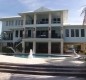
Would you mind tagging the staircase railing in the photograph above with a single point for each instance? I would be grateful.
(18, 42)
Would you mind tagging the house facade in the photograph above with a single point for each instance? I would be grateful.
(44, 31)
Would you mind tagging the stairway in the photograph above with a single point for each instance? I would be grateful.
(50, 70)
(18, 42)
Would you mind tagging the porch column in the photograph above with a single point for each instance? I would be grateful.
(24, 20)
(13, 35)
(34, 47)
(62, 25)
(23, 47)
(24, 33)
(62, 32)
(62, 47)
(49, 25)
(49, 47)
(34, 29)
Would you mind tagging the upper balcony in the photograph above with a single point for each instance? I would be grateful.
(43, 19)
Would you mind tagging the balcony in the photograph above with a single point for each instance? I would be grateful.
(29, 22)
(42, 36)
(44, 32)
(55, 35)
(7, 38)
(42, 21)
(7, 35)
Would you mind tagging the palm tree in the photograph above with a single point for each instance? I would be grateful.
(84, 12)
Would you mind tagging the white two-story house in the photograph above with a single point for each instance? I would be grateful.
(42, 30)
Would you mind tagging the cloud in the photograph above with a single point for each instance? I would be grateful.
(32, 4)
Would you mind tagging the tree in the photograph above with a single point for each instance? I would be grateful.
(84, 12)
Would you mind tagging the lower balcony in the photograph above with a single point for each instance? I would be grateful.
(7, 38)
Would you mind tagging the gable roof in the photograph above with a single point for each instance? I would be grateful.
(42, 9)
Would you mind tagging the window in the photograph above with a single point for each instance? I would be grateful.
(67, 32)
(77, 32)
(44, 21)
(21, 22)
(16, 22)
(82, 33)
(10, 23)
(56, 20)
(72, 32)
(29, 33)
(16, 34)
(21, 33)
(59, 20)
(7, 23)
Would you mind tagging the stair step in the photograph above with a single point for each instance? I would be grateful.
(44, 69)
(37, 65)
(83, 74)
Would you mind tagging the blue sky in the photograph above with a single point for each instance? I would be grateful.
(13, 7)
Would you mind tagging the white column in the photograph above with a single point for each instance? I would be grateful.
(34, 30)
(62, 47)
(70, 33)
(13, 35)
(23, 47)
(24, 20)
(34, 19)
(49, 47)
(49, 25)
(61, 32)
(24, 33)
(62, 25)
(34, 47)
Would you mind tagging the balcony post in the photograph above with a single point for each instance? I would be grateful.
(49, 47)
(61, 46)
(34, 28)
(34, 19)
(13, 38)
(24, 20)
(49, 25)
(61, 32)
(23, 47)
(34, 47)
(24, 33)
(61, 24)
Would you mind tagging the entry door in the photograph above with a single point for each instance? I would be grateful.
(29, 33)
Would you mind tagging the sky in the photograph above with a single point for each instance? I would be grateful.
(13, 7)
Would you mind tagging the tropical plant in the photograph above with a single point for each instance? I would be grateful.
(84, 13)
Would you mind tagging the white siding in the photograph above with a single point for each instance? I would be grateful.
(74, 39)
